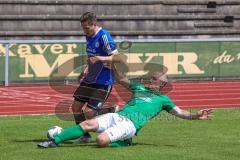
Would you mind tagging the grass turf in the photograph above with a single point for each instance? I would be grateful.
(165, 137)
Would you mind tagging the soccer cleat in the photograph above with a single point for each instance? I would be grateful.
(122, 143)
(128, 141)
(84, 139)
(47, 144)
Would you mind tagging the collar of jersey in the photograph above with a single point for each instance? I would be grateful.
(96, 32)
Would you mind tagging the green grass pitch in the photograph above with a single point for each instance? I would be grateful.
(164, 138)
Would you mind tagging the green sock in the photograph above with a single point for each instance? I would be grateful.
(69, 133)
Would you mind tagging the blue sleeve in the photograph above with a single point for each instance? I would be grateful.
(108, 43)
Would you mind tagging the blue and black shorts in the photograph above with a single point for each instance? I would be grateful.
(93, 94)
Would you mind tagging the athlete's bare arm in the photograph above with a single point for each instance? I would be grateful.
(205, 114)
(114, 57)
(120, 77)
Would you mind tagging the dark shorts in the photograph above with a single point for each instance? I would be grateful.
(95, 95)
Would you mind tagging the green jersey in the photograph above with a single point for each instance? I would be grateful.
(144, 105)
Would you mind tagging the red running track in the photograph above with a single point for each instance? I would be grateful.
(15, 100)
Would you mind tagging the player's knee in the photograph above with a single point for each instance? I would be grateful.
(89, 113)
(102, 141)
(76, 106)
(89, 125)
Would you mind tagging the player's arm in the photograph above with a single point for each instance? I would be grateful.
(110, 48)
(204, 114)
(83, 74)
(120, 77)
(114, 57)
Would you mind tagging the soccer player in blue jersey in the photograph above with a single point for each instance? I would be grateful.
(96, 80)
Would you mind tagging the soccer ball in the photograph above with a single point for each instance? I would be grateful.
(53, 131)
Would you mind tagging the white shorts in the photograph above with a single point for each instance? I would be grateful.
(116, 126)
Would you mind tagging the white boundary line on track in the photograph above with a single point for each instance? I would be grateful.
(207, 90)
(42, 105)
(217, 94)
(215, 99)
(205, 82)
(191, 106)
(27, 101)
(220, 86)
(215, 106)
(198, 95)
(35, 93)
(185, 107)
(177, 89)
(213, 83)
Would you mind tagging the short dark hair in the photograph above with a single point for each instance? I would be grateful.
(89, 17)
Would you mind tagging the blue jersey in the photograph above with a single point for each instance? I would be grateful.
(101, 44)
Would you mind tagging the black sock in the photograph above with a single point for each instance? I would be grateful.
(87, 134)
(106, 110)
(79, 117)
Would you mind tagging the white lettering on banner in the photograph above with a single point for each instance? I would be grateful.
(224, 58)
(41, 48)
(135, 57)
(70, 48)
(238, 56)
(33, 54)
(56, 48)
(2, 50)
(170, 60)
(24, 49)
(41, 68)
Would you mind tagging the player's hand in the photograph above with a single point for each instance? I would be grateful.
(94, 59)
(80, 78)
(107, 65)
(205, 114)
(82, 75)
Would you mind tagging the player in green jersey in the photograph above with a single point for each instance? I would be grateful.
(115, 128)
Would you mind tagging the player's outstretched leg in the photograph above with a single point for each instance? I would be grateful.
(87, 137)
(71, 133)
